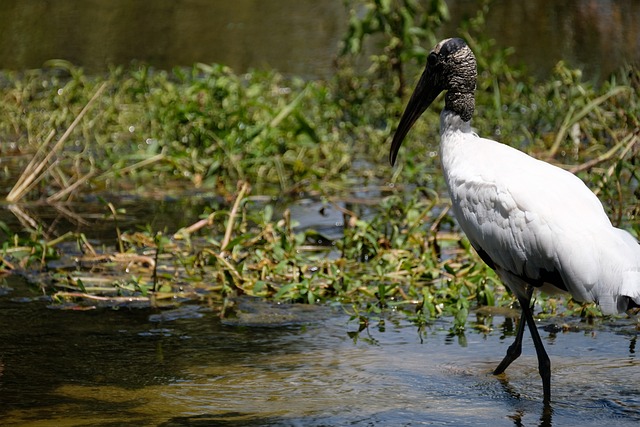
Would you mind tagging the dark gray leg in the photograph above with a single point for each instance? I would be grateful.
(544, 364)
(514, 350)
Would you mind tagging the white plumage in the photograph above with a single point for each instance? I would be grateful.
(538, 226)
(530, 217)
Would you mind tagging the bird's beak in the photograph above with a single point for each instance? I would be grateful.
(424, 94)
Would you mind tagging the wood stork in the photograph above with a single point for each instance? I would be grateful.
(538, 226)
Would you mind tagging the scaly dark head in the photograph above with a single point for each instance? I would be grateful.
(450, 66)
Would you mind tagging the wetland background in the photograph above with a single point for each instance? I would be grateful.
(206, 186)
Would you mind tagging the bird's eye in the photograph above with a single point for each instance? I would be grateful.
(432, 59)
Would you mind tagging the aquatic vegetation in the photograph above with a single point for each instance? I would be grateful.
(66, 136)
(405, 27)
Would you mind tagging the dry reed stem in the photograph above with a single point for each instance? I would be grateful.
(570, 119)
(186, 231)
(130, 168)
(232, 216)
(612, 168)
(24, 218)
(127, 299)
(628, 142)
(35, 171)
(66, 191)
(28, 177)
(237, 278)
(114, 212)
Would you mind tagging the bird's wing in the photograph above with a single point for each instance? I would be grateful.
(531, 219)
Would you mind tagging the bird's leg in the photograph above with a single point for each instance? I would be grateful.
(514, 350)
(544, 364)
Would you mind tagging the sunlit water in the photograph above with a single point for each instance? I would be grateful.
(126, 368)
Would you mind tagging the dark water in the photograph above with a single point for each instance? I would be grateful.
(121, 368)
(92, 217)
(295, 36)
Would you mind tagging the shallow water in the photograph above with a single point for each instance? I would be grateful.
(89, 216)
(124, 367)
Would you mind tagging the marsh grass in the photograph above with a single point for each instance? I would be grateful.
(207, 129)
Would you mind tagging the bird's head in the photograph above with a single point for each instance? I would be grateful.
(451, 66)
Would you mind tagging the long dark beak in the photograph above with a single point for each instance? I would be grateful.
(424, 94)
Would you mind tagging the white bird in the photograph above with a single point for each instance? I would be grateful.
(538, 226)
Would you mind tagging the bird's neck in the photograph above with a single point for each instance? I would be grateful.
(451, 122)
(461, 103)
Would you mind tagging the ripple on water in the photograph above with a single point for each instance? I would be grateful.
(308, 374)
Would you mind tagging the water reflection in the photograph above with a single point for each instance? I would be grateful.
(296, 36)
(117, 367)
(597, 36)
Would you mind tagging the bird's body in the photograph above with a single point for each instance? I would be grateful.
(538, 226)
(536, 223)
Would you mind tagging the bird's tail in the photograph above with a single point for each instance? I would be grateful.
(631, 281)
(621, 290)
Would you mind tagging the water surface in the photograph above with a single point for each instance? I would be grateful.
(298, 37)
(124, 367)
